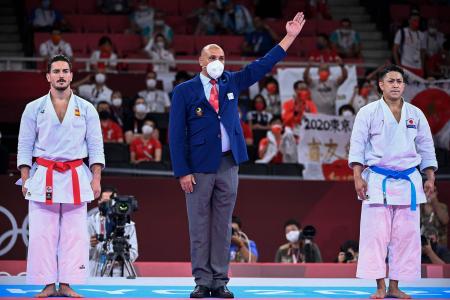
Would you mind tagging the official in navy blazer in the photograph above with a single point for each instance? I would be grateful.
(206, 146)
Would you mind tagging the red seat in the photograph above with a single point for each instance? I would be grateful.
(75, 22)
(232, 44)
(429, 11)
(327, 26)
(87, 6)
(443, 13)
(187, 6)
(118, 24)
(309, 29)
(65, 6)
(139, 66)
(77, 41)
(399, 12)
(203, 40)
(95, 23)
(183, 44)
(188, 67)
(278, 26)
(308, 45)
(91, 40)
(298, 47)
(177, 23)
(170, 7)
(126, 43)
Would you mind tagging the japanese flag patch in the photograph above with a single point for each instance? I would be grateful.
(410, 123)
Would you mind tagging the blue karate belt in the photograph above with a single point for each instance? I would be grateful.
(397, 175)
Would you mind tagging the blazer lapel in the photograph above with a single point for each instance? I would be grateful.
(223, 102)
(200, 92)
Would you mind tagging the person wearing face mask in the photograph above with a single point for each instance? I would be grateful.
(145, 147)
(236, 19)
(293, 109)
(324, 89)
(362, 96)
(434, 214)
(277, 147)
(118, 108)
(271, 93)
(157, 100)
(104, 57)
(409, 47)
(258, 117)
(44, 17)
(55, 45)
(207, 18)
(434, 41)
(95, 92)
(346, 41)
(111, 131)
(134, 121)
(157, 49)
(142, 20)
(323, 52)
(293, 252)
(206, 147)
(260, 40)
(432, 251)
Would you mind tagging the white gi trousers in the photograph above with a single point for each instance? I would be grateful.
(391, 231)
(58, 243)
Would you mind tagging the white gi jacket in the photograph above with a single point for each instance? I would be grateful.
(42, 135)
(378, 140)
(95, 253)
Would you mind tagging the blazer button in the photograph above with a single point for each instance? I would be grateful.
(219, 136)
(218, 117)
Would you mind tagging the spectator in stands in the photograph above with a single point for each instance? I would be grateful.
(236, 18)
(119, 7)
(362, 96)
(409, 47)
(117, 108)
(294, 250)
(142, 20)
(260, 40)
(346, 41)
(134, 121)
(55, 45)
(104, 58)
(157, 100)
(161, 27)
(346, 110)
(242, 249)
(45, 18)
(258, 117)
(323, 53)
(434, 214)
(324, 89)
(277, 147)
(157, 49)
(434, 41)
(348, 253)
(145, 147)
(111, 131)
(433, 252)
(271, 93)
(100, 225)
(248, 134)
(95, 92)
(208, 19)
(293, 109)
(180, 77)
(318, 9)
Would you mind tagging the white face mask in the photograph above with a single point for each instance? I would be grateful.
(215, 69)
(141, 108)
(117, 102)
(100, 78)
(160, 45)
(347, 113)
(151, 83)
(432, 30)
(147, 129)
(292, 236)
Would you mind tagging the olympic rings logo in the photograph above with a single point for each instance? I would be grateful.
(13, 232)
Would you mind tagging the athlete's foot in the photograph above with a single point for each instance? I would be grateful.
(397, 293)
(379, 294)
(66, 291)
(48, 291)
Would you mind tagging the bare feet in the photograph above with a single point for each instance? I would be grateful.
(66, 291)
(397, 293)
(379, 294)
(48, 291)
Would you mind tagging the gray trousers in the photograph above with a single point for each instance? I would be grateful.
(210, 207)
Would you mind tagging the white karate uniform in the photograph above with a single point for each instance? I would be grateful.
(58, 247)
(388, 222)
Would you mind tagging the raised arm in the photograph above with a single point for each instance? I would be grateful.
(293, 28)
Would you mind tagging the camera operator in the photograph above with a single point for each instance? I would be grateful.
(348, 253)
(300, 247)
(100, 227)
(432, 251)
(241, 249)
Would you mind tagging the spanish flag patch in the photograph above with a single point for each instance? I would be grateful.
(77, 112)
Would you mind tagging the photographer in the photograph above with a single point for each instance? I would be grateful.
(240, 244)
(100, 228)
(348, 253)
(432, 252)
(300, 247)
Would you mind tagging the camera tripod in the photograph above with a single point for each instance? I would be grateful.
(120, 254)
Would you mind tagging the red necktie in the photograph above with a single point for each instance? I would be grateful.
(214, 96)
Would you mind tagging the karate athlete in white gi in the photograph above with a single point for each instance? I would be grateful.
(59, 130)
(390, 139)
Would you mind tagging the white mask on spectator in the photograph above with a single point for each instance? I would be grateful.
(117, 102)
(141, 108)
(215, 69)
(100, 78)
(432, 30)
(160, 45)
(292, 236)
(147, 129)
(151, 83)
(347, 113)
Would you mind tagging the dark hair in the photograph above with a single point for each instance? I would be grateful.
(275, 120)
(135, 99)
(294, 86)
(103, 40)
(346, 107)
(346, 20)
(259, 96)
(58, 57)
(151, 120)
(270, 79)
(291, 222)
(390, 68)
(350, 244)
(237, 220)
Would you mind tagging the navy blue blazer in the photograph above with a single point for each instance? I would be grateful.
(194, 126)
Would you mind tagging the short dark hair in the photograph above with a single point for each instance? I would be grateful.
(263, 99)
(350, 244)
(291, 222)
(346, 107)
(104, 40)
(237, 220)
(390, 68)
(346, 20)
(275, 119)
(58, 57)
(294, 86)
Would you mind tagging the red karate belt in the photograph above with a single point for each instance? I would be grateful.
(60, 167)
